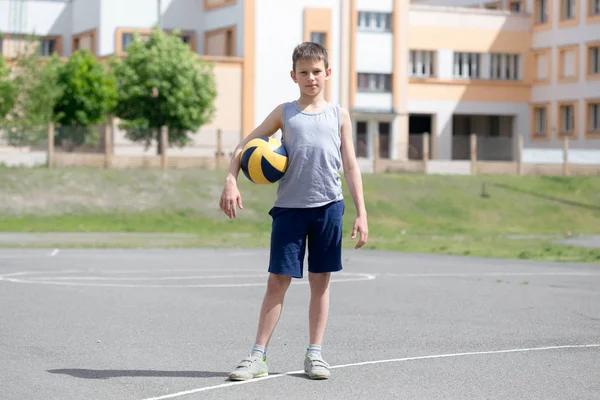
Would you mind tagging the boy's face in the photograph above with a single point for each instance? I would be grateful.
(310, 75)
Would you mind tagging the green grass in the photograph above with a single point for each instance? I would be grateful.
(413, 213)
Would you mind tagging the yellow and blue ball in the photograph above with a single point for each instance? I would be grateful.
(264, 160)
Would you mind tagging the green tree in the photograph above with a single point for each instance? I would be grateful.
(36, 92)
(161, 82)
(88, 94)
(7, 92)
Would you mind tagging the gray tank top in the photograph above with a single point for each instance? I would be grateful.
(312, 141)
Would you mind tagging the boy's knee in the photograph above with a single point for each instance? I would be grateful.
(319, 280)
(278, 283)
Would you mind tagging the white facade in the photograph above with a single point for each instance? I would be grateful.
(275, 40)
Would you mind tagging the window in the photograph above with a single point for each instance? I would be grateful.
(505, 66)
(420, 63)
(568, 9)
(543, 65)
(318, 37)
(593, 55)
(515, 6)
(539, 121)
(541, 12)
(1, 46)
(384, 139)
(594, 8)
(47, 47)
(378, 83)
(493, 6)
(568, 63)
(220, 42)
(361, 139)
(374, 21)
(467, 65)
(566, 119)
(593, 117)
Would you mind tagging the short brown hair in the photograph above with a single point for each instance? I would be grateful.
(309, 51)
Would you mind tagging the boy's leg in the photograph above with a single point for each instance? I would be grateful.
(324, 257)
(288, 243)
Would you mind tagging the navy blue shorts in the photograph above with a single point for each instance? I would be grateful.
(292, 228)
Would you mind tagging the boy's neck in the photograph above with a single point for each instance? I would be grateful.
(312, 101)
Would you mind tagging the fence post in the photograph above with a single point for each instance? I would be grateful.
(108, 142)
(426, 152)
(376, 155)
(51, 145)
(566, 156)
(164, 141)
(219, 153)
(473, 153)
(519, 155)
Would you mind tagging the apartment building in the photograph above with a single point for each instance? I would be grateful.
(445, 67)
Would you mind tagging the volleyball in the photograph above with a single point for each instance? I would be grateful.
(264, 160)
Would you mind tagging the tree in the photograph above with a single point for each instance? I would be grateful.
(36, 92)
(7, 92)
(88, 94)
(162, 83)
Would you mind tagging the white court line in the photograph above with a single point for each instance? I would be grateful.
(54, 252)
(18, 277)
(224, 385)
(476, 274)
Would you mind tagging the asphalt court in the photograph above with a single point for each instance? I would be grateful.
(171, 324)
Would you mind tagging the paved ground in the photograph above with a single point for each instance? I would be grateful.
(154, 324)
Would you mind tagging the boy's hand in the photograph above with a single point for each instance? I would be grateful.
(230, 198)
(360, 226)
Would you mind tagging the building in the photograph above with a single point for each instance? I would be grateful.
(451, 68)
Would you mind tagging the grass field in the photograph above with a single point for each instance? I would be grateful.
(467, 215)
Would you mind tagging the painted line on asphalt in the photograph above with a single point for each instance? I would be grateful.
(393, 360)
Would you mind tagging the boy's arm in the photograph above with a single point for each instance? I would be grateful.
(354, 179)
(230, 197)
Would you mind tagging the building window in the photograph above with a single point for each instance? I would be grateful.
(515, 6)
(568, 64)
(47, 47)
(593, 59)
(566, 119)
(376, 83)
(593, 117)
(567, 9)
(540, 121)
(361, 139)
(374, 21)
(467, 65)
(384, 139)
(594, 10)
(318, 37)
(220, 42)
(493, 6)
(421, 63)
(505, 66)
(541, 12)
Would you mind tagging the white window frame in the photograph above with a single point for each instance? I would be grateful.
(594, 60)
(375, 82)
(541, 114)
(594, 118)
(541, 8)
(47, 47)
(505, 66)
(467, 65)
(594, 7)
(372, 21)
(421, 63)
(567, 119)
(569, 10)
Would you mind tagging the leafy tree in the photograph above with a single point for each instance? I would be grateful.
(36, 93)
(162, 83)
(88, 93)
(7, 92)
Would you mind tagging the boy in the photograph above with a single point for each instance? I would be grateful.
(317, 136)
